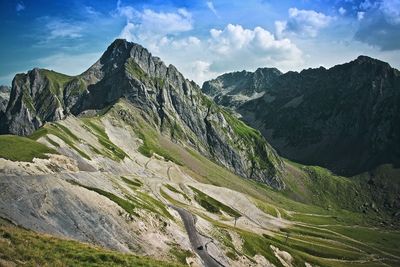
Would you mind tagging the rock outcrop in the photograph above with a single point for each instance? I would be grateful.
(236, 88)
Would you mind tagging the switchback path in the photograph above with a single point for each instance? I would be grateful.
(194, 238)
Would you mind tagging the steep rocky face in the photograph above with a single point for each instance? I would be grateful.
(4, 97)
(345, 118)
(178, 108)
(168, 101)
(236, 88)
(40, 96)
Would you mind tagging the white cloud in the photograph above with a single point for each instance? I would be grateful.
(200, 71)
(125, 11)
(303, 22)
(154, 29)
(342, 11)
(151, 23)
(360, 15)
(165, 23)
(280, 27)
(183, 42)
(235, 48)
(20, 6)
(391, 10)
(210, 6)
(91, 11)
(168, 35)
(380, 24)
(62, 29)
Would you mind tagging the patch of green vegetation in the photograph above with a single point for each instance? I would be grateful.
(22, 247)
(173, 189)
(318, 248)
(205, 100)
(252, 138)
(265, 207)
(241, 128)
(52, 142)
(67, 131)
(140, 200)
(28, 101)
(176, 131)
(56, 83)
(26, 96)
(111, 150)
(254, 244)
(387, 240)
(17, 148)
(159, 82)
(225, 238)
(77, 86)
(128, 206)
(212, 205)
(170, 199)
(154, 205)
(134, 184)
(61, 132)
(135, 70)
(180, 254)
(151, 145)
(95, 150)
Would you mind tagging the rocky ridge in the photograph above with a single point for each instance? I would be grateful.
(345, 118)
(236, 88)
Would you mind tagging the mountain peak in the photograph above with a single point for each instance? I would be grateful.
(362, 59)
(4, 88)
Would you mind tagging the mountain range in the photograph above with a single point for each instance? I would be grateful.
(132, 164)
(345, 118)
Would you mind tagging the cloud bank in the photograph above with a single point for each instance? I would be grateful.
(233, 47)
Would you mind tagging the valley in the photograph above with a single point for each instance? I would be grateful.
(242, 222)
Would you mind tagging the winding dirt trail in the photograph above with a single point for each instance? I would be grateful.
(195, 239)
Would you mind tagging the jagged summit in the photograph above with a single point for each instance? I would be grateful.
(235, 88)
(367, 59)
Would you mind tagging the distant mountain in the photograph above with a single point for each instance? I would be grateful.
(236, 88)
(174, 105)
(346, 118)
(4, 96)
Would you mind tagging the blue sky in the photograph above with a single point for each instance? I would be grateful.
(201, 38)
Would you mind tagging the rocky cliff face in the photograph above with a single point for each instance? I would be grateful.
(345, 118)
(40, 96)
(171, 103)
(236, 88)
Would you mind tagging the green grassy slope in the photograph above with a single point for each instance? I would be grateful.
(18, 148)
(26, 248)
